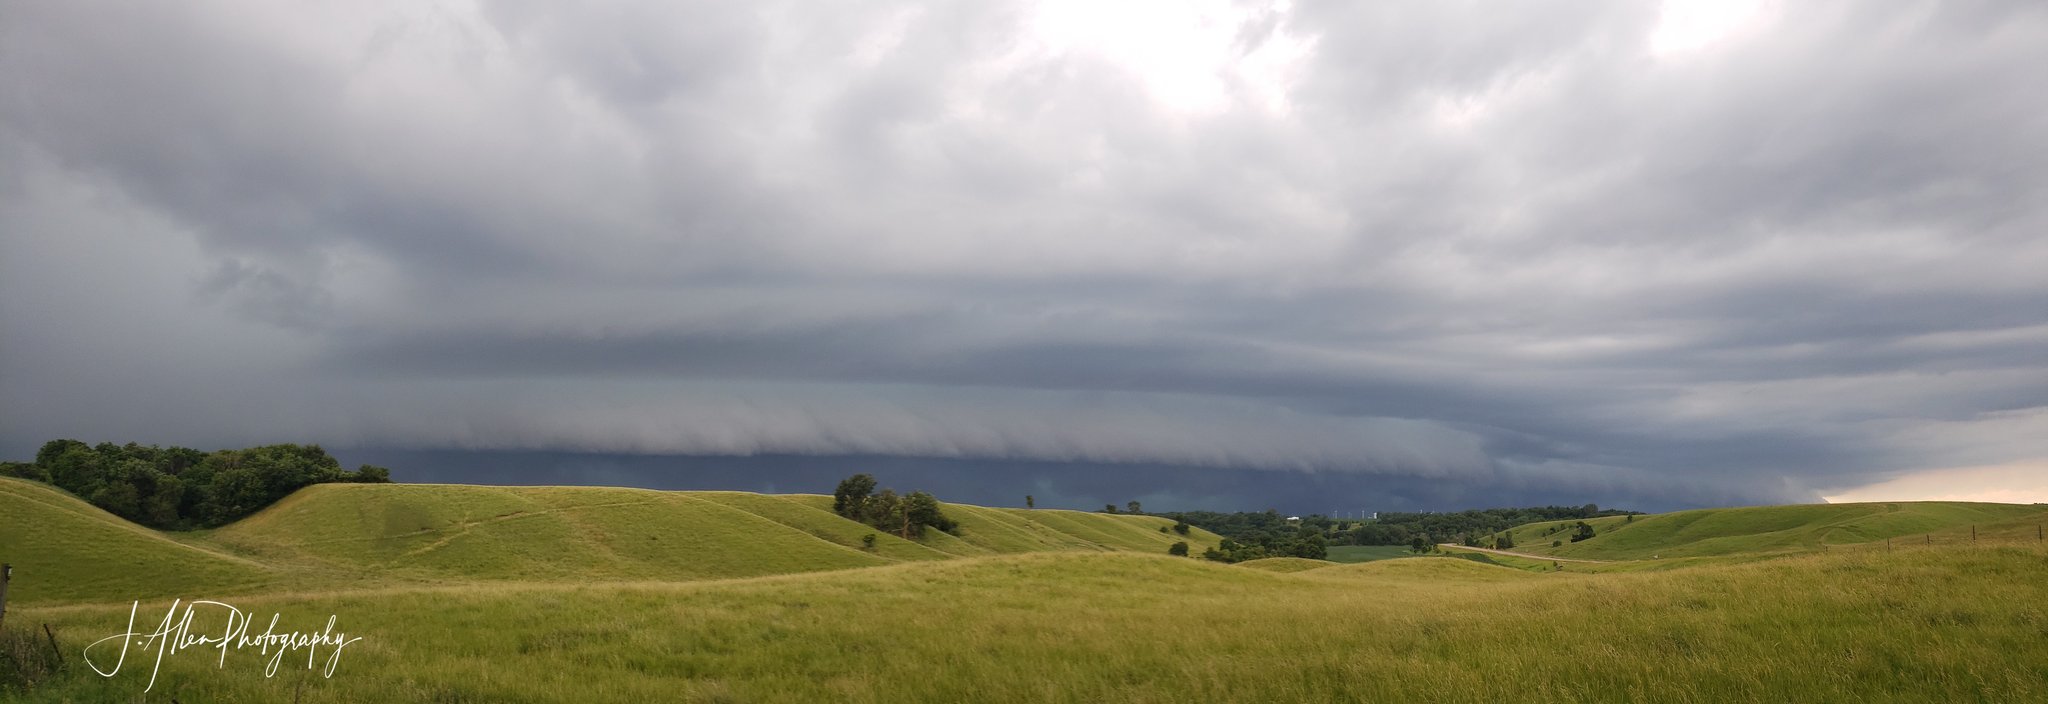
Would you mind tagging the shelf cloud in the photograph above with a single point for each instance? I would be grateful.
(1697, 252)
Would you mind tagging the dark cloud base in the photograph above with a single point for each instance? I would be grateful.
(1072, 485)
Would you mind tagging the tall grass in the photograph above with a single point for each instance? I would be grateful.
(1930, 625)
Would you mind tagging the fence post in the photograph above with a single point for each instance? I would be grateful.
(6, 573)
(54, 649)
(1973, 534)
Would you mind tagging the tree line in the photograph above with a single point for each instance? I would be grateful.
(1252, 535)
(1400, 528)
(180, 488)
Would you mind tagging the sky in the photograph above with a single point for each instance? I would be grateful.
(1313, 256)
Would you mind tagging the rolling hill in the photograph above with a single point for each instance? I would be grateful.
(367, 535)
(62, 547)
(1772, 529)
(1122, 626)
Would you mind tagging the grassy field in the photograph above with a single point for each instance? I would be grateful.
(1367, 553)
(1928, 625)
(468, 594)
(1776, 529)
(361, 536)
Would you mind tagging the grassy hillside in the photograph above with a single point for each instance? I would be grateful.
(1367, 553)
(1285, 564)
(62, 547)
(1770, 529)
(1930, 625)
(332, 536)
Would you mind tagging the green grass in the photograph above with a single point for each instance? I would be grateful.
(335, 536)
(1933, 626)
(538, 594)
(1768, 529)
(73, 549)
(1367, 553)
(1285, 564)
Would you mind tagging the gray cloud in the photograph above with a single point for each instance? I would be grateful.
(1494, 246)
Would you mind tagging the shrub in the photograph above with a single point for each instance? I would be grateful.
(1585, 532)
(1179, 549)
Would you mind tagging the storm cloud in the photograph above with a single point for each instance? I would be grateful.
(1680, 254)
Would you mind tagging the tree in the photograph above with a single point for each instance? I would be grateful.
(1585, 532)
(920, 510)
(1133, 507)
(1504, 541)
(867, 542)
(851, 498)
(120, 499)
(1418, 545)
(1180, 527)
(1312, 546)
(1109, 508)
(1030, 502)
(1179, 549)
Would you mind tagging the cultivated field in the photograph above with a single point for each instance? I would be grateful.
(473, 594)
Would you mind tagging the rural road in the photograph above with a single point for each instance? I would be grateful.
(1521, 554)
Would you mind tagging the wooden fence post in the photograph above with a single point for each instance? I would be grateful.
(6, 573)
(1973, 534)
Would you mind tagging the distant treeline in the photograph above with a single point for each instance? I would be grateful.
(1269, 534)
(178, 488)
(1250, 536)
(1402, 528)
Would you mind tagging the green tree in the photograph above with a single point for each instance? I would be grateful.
(885, 511)
(118, 498)
(850, 499)
(921, 510)
(1418, 545)
(1180, 527)
(1109, 508)
(1030, 502)
(1133, 507)
(1179, 549)
(867, 542)
(1584, 532)
(1312, 546)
